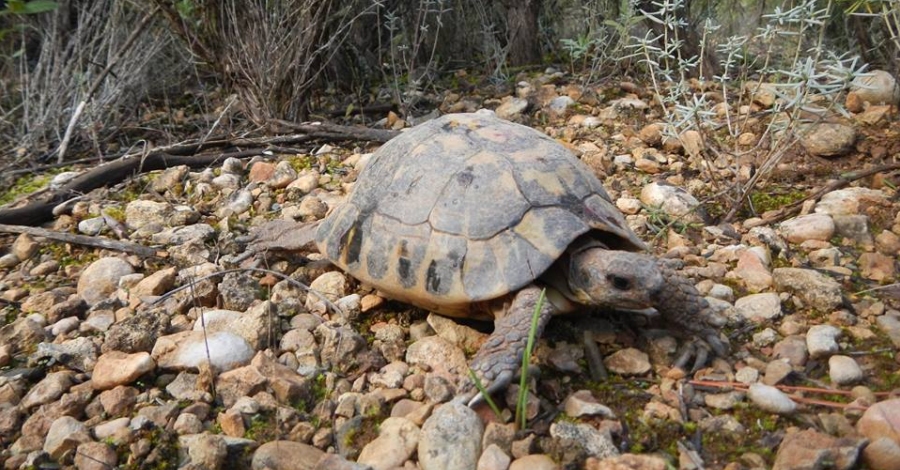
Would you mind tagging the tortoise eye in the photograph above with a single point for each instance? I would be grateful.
(619, 282)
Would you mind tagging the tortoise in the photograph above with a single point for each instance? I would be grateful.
(471, 216)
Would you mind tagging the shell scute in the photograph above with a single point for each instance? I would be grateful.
(465, 209)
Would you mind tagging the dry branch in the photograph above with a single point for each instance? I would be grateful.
(839, 183)
(99, 81)
(97, 242)
(113, 172)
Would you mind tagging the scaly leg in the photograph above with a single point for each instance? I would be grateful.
(500, 358)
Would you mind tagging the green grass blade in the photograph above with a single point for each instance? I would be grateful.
(521, 417)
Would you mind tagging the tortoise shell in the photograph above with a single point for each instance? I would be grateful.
(465, 209)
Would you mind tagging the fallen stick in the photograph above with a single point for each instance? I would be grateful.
(96, 242)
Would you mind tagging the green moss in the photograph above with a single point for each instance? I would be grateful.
(67, 255)
(115, 212)
(767, 199)
(262, 428)
(301, 162)
(24, 186)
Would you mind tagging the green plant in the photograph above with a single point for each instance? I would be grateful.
(21, 7)
(795, 69)
(412, 51)
(522, 400)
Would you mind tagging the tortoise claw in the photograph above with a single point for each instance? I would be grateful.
(467, 392)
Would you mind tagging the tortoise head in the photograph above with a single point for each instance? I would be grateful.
(615, 279)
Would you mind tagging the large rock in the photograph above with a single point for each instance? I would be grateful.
(188, 349)
(881, 425)
(397, 440)
(812, 287)
(759, 307)
(812, 449)
(851, 201)
(286, 455)
(101, 279)
(877, 87)
(136, 333)
(807, 227)
(451, 439)
(828, 139)
(65, 434)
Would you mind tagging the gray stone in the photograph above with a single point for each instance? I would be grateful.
(759, 307)
(332, 285)
(512, 108)
(583, 403)
(821, 340)
(596, 443)
(65, 434)
(207, 451)
(843, 370)
(397, 439)
(79, 353)
(182, 235)
(674, 201)
(876, 87)
(889, 323)
(339, 345)
(812, 287)
(101, 278)
(189, 349)
(450, 439)
(770, 399)
(136, 333)
(807, 227)
(53, 386)
(828, 139)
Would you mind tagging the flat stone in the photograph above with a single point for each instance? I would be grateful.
(49, 389)
(807, 227)
(595, 442)
(286, 455)
(812, 449)
(188, 349)
(95, 456)
(628, 361)
(438, 355)
(583, 403)
(889, 323)
(117, 368)
(812, 287)
(759, 307)
(534, 462)
(493, 458)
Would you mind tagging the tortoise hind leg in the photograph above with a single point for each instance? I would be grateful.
(500, 358)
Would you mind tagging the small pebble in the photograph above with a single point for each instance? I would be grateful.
(771, 399)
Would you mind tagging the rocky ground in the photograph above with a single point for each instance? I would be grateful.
(189, 360)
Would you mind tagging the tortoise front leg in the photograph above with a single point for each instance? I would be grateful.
(500, 358)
